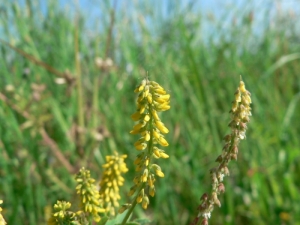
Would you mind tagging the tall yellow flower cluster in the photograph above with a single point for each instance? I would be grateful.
(240, 117)
(89, 195)
(2, 221)
(152, 99)
(111, 181)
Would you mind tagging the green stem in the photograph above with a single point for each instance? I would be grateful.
(79, 90)
(133, 204)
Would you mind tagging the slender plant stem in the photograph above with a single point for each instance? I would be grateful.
(80, 100)
(133, 204)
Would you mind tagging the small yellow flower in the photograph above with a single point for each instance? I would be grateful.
(161, 127)
(136, 116)
(163, 142)
(145, 202)
(140, 196)
(152, 191)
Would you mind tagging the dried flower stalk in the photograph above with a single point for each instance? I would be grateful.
(240, 113)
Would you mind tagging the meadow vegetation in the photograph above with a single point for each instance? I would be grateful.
(66, 98)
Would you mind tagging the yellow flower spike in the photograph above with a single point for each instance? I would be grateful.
(152, 98)
(61, 214)
(88, 192)
(111, 180)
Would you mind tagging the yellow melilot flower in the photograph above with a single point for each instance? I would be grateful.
(152, 99)
(89, 195)
(61, 214)
(111, 181)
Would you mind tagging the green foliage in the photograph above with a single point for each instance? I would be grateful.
(39, 145)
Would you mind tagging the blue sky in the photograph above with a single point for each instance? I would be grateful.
(93, 9)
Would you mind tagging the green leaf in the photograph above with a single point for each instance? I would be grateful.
(143, 221)
(103, 220)
(117, 220)
(130, 223)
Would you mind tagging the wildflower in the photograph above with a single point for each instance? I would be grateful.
(240, 113)
(61, 214)
(152, 99)
(111, 181)
(89, 195)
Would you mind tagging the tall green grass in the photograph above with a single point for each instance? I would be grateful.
(200, 70)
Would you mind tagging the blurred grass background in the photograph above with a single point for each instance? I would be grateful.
(52, 122)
